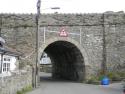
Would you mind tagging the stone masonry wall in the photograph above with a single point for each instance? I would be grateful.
(16, 82)
(115, 41)
(19, 32)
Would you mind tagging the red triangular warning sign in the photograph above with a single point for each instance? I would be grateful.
(63, 33)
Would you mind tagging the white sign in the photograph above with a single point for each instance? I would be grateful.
(63, 33)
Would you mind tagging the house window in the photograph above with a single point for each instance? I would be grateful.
(6, 59)
(6, 67)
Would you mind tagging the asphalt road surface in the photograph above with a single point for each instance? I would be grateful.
(48, 86)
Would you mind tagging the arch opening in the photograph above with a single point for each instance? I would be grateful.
(67, 61)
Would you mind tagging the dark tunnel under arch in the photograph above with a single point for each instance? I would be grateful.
(67, 61)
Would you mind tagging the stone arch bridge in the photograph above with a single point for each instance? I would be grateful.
(92, 41)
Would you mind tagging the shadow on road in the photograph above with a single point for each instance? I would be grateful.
(47, 77)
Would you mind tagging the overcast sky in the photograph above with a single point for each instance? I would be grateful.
(67, 6)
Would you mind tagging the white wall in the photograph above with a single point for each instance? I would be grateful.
(13, 63)
(45, 60)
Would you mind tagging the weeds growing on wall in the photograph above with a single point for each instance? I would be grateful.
(24, 90)
(113, 76)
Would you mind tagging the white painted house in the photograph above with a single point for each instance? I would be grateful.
(8, 59)
(45, 59)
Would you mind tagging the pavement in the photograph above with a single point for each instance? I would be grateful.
(49, 86)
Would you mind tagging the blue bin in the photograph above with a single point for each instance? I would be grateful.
(105, 81)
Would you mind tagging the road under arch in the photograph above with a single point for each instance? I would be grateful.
(67, 61)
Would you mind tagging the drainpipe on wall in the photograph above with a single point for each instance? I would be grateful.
(103, 65)
(1, 53)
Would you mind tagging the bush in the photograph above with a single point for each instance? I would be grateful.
(121, 74)
(116, 76)
(19, 92)
(93, 80)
